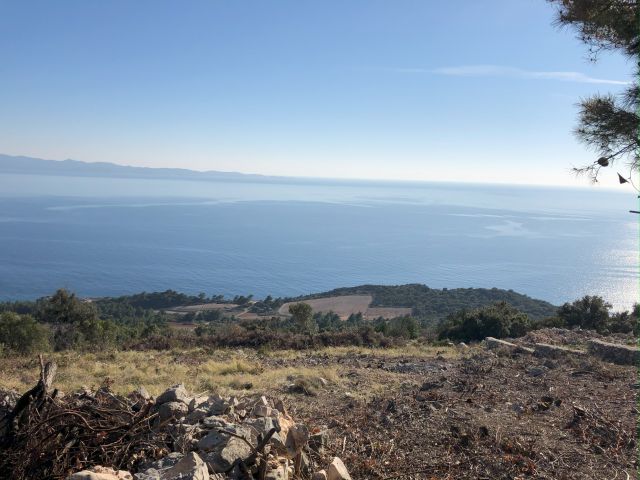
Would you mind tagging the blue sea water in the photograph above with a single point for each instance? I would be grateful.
(108, 236)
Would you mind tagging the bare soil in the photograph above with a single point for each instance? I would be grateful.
(485, 416)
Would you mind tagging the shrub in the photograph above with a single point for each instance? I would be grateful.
(64, 307)
(22, 334)
(589, 312)
(498, 320)
(302, 315)
(402, 327)
(626, 322)
(551, 322)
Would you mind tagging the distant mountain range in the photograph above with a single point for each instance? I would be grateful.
(75, 168)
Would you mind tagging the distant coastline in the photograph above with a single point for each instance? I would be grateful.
(38, 166)
(25, 165)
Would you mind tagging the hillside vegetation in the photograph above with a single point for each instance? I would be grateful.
(438, 304)
(64, 321)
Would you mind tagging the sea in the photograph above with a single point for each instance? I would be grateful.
(116, 236)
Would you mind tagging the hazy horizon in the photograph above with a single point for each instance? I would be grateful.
(580, 182)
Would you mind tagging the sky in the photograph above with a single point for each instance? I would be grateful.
(456, 90)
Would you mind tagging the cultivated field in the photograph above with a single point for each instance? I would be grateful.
(204, 307)
(346, 305)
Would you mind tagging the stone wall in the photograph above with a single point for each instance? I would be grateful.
(611, 352)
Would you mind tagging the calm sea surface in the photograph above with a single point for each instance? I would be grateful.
(104, 236)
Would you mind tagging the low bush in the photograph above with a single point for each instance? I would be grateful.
(594, 313)
(22, 334)
(498, 320)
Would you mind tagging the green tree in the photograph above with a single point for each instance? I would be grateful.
(589, 312)
(405, 327)
(302, 314)
(64, 307)
(22, 334)
(608, 123)
(355, 320)
(626, 322)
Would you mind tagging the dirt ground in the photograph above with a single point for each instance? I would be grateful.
(411, 413)
(481, 417)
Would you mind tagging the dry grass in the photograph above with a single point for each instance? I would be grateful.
(225, 371)
(414, 350)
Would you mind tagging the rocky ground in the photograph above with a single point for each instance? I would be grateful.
(466, 412)
(490, 415)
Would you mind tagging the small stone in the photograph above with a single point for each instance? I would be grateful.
(278, 473)
(177, 393)
(165, 462)
(279, 405)
(172, 410)
(191, 467)
(211, 441)
(197, 402)
(305, 465)
(262, 411)
(196, 415)
(224, 454)
(321, 475)
(337, 470)
(262, 426)
(139, 398)
(101, 473)
(319, 440)
(149, 474)
(143, 392)
(536, 371)
(297, 438)
(219, 406)
(214, 421)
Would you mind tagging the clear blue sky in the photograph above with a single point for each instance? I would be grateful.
(404, 89)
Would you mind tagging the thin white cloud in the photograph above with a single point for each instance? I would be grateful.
(512, 72)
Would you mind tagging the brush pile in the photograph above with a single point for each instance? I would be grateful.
(103, 436)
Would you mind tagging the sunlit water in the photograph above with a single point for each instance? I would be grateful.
(102, 236)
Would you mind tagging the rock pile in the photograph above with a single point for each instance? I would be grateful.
(216, 437)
